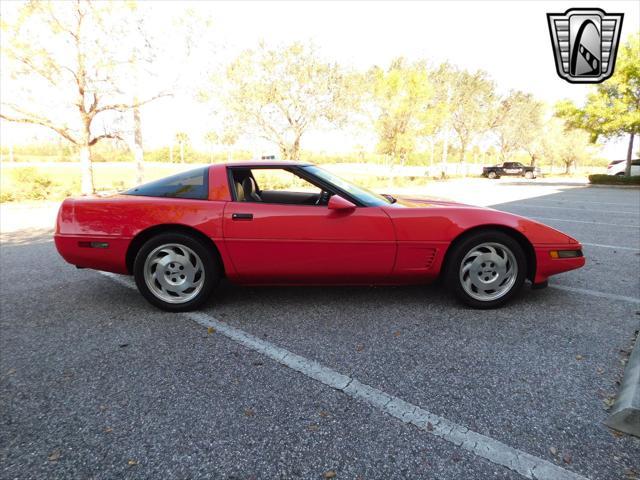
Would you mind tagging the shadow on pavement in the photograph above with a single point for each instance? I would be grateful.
(29, 236)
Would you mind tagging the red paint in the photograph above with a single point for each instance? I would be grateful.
(404, 242)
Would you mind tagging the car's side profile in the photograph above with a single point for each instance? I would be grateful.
(618, 167)
(290, 223)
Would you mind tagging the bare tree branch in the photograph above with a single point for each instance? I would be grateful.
(95, 140)
(123, 107)
(45, 123)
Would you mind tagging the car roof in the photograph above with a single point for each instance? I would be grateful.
(266, 163)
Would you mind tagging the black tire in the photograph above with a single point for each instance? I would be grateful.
(493, 175)
(460, 249)
(529, 175)
(620, 174)
(209, 262)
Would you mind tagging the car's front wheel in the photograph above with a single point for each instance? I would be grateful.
(528, 175)
(492, 175)
(486, 269)
(176, 272)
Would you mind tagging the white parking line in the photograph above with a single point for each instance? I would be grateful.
(483, 446)
(584, 201)
(615, 247)
(585, 210)
(588, 223)
(596, 293)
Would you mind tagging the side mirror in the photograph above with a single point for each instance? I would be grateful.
(336, 202)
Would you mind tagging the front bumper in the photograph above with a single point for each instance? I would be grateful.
(549, 260)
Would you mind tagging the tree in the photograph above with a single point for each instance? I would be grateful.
(281, 93)
(183, 139)
(227, 137)
(518, 124)
(612, 108)
(399, 95)
(211, 139)
(435, 113)
(472, 101)
(573, 148)
(64, 71)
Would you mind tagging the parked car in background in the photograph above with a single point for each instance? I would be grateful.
(617, 167)
(510, 168)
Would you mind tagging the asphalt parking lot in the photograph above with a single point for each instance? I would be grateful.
(95, 383)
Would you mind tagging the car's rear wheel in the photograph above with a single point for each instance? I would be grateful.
(492, 175)
(486, 269)
(176, 271)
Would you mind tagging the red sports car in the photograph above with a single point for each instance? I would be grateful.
(293, 223)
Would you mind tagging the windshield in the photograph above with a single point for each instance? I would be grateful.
(366, 197)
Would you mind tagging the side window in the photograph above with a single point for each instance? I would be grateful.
(279, 180)
(193, 184)
(274, 185)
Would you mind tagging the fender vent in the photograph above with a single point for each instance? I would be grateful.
(430, 257)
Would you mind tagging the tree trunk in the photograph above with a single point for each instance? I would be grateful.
(138, 152)
(627, 170)
(86, 170)
(445, 153)
(433, 152)
(295, 149)
(463, 150)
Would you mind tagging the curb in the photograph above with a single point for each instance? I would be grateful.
(612, 186)
(625, 414)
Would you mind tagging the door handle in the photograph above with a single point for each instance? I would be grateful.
(242, 216)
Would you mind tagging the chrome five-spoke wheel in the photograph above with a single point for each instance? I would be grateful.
(488, 271)
(174, 273)
(486, 268)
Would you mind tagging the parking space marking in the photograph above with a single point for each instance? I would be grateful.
(596, 293)
(584, 221)
(585, 201)
(615, 247)
(525, 464)
(585, 210)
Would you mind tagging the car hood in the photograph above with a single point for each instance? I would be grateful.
(442, 220)
(407, 202)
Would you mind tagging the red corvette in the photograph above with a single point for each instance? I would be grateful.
(295, 223)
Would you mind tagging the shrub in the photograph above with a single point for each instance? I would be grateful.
(28, 184)
(600, 179)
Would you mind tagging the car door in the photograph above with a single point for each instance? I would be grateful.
(288, 243)
(511, 168)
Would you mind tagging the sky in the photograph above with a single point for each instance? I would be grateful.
(508, 39)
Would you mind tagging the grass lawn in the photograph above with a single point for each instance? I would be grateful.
(22, 181)
(58, 180)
